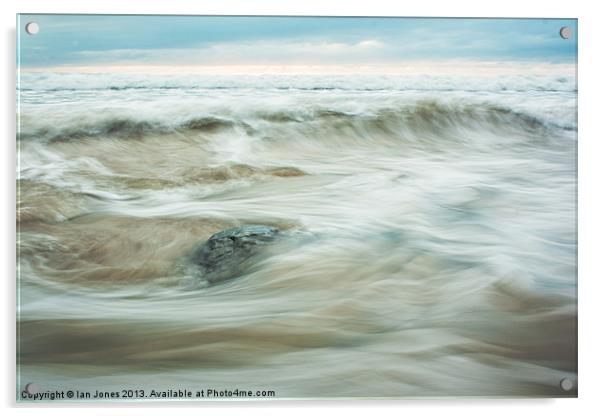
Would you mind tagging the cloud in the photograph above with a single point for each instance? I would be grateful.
(190, 40)
(256, 52)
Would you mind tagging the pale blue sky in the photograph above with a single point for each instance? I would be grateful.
(88, 40)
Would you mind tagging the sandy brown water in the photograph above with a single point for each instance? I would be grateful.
(432, 254)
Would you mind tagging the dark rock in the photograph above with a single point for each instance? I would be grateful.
(225, 254)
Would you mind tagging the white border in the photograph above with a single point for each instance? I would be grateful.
(590, 28)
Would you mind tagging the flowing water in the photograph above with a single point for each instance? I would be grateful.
(433, 222)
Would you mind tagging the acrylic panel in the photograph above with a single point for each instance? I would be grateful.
(248, 207)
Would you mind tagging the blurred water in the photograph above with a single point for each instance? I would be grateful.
(434, 248)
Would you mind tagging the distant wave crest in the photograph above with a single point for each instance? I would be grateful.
(421, 117)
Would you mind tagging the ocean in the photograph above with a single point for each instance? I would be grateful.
(433, 224)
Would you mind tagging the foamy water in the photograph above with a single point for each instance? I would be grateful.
(433, 222)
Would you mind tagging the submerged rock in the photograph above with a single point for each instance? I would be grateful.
(225, 254)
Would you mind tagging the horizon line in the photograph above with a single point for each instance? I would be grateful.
(440, 66)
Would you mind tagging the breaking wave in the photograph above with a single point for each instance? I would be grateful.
(423, 117)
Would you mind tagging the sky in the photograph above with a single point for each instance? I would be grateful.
(104, 40)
